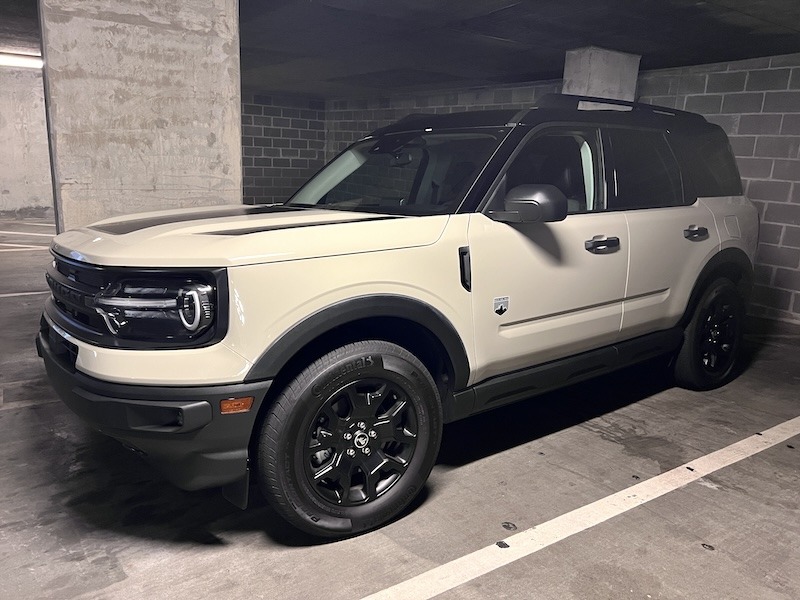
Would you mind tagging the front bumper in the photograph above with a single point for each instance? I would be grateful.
(179, 429)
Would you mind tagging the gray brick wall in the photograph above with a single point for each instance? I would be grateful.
(283, 144)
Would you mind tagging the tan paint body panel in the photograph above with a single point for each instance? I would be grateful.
(415, 257)
(563, 299)
(216, 242)
(742, 212)
(217, 364)
(664, 265)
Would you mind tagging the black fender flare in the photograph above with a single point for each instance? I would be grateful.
(719, 265)
(279, 353)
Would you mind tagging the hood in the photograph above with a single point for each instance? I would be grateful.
(241, 235)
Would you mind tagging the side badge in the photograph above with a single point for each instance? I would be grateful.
(501, 305)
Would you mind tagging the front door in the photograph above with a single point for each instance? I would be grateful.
(543, 291)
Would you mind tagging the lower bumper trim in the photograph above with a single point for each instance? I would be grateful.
(180, 430)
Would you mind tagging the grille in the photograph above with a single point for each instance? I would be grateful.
(74, 287)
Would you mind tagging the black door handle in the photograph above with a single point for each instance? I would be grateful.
(695, 233)
(601, 244)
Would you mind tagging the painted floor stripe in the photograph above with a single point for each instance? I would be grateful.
(49, 235)
(23, 249)
(15, 294)
(461, 570)
(10, 245)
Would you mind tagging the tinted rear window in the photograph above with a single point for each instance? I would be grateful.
(646, 173)
(707, 159)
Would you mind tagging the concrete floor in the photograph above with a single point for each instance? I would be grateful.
(82, 518)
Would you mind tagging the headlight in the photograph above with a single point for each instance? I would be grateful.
(181, 310)
(138, 308)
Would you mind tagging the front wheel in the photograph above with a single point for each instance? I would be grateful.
(712, 340)
(351, 440)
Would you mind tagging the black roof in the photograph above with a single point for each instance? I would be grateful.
(556, 108)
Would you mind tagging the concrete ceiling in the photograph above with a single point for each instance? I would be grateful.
(367, 47)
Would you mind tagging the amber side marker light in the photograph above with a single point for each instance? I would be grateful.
(235, 405)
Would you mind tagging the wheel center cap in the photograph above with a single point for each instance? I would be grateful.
(361, 440)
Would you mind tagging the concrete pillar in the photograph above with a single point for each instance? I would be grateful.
(143, 105)
(25, 185)
(594, 71)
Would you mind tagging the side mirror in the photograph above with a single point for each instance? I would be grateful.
(532, 204)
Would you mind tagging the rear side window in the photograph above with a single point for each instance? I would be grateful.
(707, 158)
(645, 172)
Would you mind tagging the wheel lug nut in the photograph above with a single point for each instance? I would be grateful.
(351, 452)
(348, 436)
(362, 425)
(372, 433)
(366, 451)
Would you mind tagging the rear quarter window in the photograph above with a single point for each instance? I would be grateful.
(707, 160)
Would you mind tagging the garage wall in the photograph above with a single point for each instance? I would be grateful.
(25, 184)
(283, 144)
(757, 102)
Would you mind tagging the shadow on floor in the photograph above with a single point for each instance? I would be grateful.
(516, 424)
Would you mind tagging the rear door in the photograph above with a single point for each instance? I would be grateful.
(671, 234)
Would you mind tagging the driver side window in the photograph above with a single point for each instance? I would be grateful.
(566, 159)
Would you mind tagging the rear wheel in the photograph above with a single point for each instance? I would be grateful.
(712, 341)
(350, 442)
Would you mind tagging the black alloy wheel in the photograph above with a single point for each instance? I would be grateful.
(361, 442)
(711, 350)
(719, 336)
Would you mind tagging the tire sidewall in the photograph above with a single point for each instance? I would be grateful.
(311, 512)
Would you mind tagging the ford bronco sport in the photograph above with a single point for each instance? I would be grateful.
(439, 267)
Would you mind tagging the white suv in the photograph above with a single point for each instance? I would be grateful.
(437, 268)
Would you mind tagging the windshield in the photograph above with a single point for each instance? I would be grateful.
(406, 174)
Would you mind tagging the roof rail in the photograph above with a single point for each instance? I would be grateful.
(569, 101)
(414, 116)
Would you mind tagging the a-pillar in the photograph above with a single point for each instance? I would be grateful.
(143, 105)
(601, 73)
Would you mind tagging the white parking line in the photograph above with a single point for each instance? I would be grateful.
(6, 247)
(48, 235)
(461, 570)
(16, 294)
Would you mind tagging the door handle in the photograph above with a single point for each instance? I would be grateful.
(601, 244)
(695, 233)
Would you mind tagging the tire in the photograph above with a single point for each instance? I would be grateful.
(712, 341)
(350, 442)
